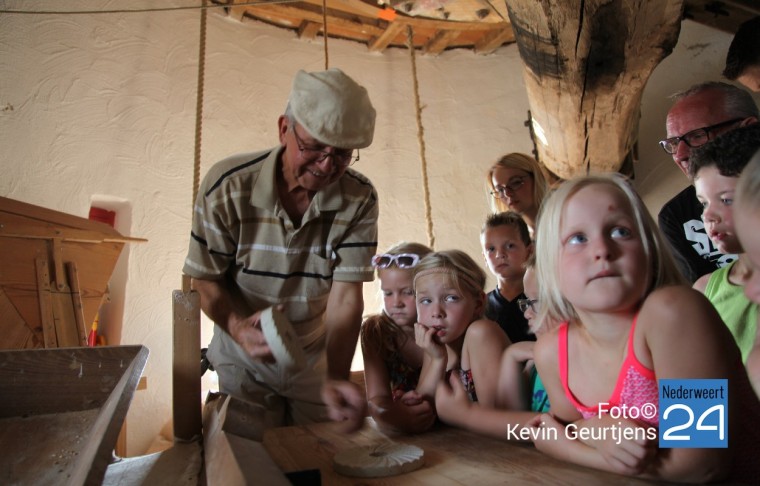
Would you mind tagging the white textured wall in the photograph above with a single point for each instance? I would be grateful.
(103, 106)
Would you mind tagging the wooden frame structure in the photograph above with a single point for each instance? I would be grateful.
(55, 271)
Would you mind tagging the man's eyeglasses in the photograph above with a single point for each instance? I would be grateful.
(509, 188)
(525, 304)
(341, 157)
(402, 260)
(694, 138)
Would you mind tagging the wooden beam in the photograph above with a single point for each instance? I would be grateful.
(268, 11)
(493, 40)
(440, 41)
(186, 365)
(308, 30)
(586, 65)
(358, 7)
(723, 15)
(45, 303)
(380, 42)
(237, 13)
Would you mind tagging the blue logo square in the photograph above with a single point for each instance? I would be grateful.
(693, 413)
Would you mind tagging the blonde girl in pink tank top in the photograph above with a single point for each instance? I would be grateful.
(628, 320)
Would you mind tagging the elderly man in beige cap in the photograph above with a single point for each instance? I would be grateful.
(293, 228)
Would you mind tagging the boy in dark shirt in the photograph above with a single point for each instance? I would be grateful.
(506, 247)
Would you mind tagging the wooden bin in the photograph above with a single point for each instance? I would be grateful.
(61, 411)
(54, 271)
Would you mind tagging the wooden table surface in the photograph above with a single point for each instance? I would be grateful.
(452, 456)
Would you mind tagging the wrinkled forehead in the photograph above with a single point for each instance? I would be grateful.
(697, 111)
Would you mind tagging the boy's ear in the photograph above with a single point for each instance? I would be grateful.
(531, 248)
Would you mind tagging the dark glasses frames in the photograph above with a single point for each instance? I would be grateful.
(524, 304)
(402, 260)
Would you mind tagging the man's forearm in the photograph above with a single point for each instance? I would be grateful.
(343, 319)
(340, 347)
(219, 302)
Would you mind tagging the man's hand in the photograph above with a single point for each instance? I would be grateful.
(346, 403)
(248, 334)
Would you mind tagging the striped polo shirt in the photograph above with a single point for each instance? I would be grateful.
(241, 230)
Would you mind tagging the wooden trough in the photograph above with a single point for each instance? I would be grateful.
(61, 411)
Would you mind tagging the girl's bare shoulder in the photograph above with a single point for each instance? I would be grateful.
(484, 329)
(545, 349)
(677, 303)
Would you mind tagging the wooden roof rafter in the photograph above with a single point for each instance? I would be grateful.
(362, 21)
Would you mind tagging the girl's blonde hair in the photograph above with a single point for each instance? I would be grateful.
(464, 273)
(663, 270)
(524, 163)
(380, 328)
(748, 187)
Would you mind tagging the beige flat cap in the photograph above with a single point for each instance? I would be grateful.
(333, 108)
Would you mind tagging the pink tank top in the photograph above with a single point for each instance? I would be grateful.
(636, 384)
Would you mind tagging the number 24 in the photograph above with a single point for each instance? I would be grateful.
(668, 434)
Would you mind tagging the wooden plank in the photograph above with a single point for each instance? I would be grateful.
(288, 11)
(439, 42)
(237, 13)
(48, 231)
(232, 460)
(57, 257)
(16, 334)
(63, 317)
(120, 449)
(76, 299)
(493, 40)
(453, 456)
(380, 42)
(186, 365)
(179, 465)
(358, 7)
(308, 30)
(45, 303)
(10, 209)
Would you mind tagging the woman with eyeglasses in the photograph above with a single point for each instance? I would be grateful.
(392, 359)
(516, 182)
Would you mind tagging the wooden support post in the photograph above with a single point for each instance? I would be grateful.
(46, 303)
(186, 370)
(76, 301)
(586, 65)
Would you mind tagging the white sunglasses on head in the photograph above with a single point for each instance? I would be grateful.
(402, 260)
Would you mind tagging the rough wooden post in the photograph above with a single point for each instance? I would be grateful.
(586, 65)
(186, 375)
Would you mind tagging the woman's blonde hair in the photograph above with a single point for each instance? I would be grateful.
(464, 273)
(522, 162)
(748, 187)
(663, 270)
(380, 328)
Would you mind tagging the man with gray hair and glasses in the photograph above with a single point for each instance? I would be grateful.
(698, 115)
(291, 228)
